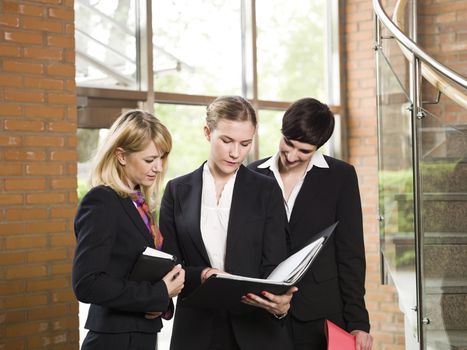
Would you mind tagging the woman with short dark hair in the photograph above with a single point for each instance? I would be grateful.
(317, 191)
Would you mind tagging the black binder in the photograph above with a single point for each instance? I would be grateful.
(152, 265)
(224, 291)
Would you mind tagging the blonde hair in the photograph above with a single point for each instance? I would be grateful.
(234, 108)
(132, 131)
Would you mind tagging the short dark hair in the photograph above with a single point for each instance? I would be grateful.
(308, 120)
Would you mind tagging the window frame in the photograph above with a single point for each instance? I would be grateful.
(98, 107)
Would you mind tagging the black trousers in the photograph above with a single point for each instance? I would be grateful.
(223, 337)
(308, 335)
(120, 341)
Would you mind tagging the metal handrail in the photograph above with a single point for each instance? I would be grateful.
(434, 77)
(414, 48)
(445, 80)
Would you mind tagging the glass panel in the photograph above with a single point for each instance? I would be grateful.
(190, 147)
(403, 18)
(396, 62)
(396, 181)
(291, 57)
(197, 47)
(333, 53)
(443, 154)
(269, 132)
(89, 140)
(443, 170)
(105, 37)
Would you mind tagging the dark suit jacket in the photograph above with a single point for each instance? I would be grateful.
(256, 243)
(333, 288)
(110, 235)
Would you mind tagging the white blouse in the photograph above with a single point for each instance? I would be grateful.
(273, 164)
(215, 217)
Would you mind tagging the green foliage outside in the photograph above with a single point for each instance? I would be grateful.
(291, 58)
(83, 188)
(190, 147)
(269, 132)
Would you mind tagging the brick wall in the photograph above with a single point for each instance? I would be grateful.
(387, 321)
(443, 34)
(37, 175)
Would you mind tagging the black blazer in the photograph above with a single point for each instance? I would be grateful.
(110, 235)
(256, 243)
(334, 287)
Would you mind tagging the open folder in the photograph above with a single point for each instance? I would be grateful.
(224, 291)
(152, 265)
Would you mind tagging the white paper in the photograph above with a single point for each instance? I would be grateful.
(244, 278)
(288, 271)
(295, 263)
(156, 253)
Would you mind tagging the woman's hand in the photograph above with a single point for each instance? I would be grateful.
(208, 272)
(363, 340)
(174, 281)
(152, 315)
(277, 305)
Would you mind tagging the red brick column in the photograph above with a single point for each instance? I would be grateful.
(37, 175)
(443, 34)
(387, 322)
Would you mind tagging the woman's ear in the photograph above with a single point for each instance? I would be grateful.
(120, 154)
(207, 133)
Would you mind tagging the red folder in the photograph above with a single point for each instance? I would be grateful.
(338, 339)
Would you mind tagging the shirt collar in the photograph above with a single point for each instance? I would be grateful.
(207, 172)
(316, 160)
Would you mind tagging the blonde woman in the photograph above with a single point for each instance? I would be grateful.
(224, 217)
(113, 225)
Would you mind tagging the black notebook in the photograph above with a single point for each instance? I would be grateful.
(224, 291)
(152, 265)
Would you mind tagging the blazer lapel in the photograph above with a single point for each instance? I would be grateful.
(301, 206)
(190, 204)
(241, 206)
(134, 215)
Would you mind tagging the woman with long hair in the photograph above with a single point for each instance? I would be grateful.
(113, 225)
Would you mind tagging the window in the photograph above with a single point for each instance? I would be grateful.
(291, 57)
(269, 132)
(174, 57)
(190, 147)
(197, 47)
(106, 45)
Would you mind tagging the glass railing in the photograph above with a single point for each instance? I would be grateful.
(397, 235)
(422, 123)
(443, 175)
